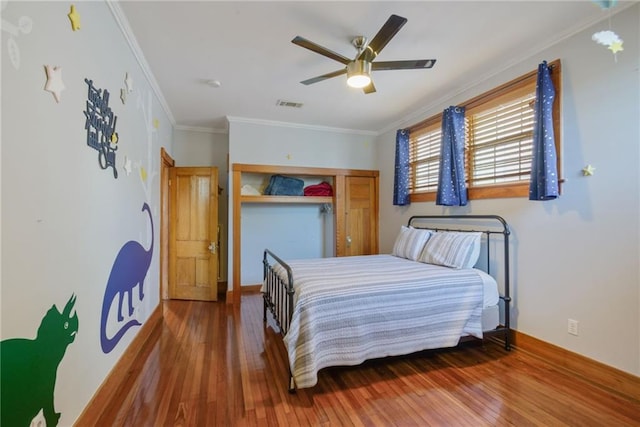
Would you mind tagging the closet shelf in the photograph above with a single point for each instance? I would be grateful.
(286, 199)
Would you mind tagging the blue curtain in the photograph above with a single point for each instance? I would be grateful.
(401, 174)
(452, 190)
(544, 171)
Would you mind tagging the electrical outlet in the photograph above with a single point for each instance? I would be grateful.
(572, 327)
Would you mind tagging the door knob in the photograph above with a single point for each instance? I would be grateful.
(348, 240)
(212, 247)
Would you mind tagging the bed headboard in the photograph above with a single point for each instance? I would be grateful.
(489, 225)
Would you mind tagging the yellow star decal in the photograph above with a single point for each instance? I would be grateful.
(114, 138)
(74, 17)
(143, 174)
(156, 123)
(616, 47)
(588, 170)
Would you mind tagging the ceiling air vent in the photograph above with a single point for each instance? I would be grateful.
(281, 103)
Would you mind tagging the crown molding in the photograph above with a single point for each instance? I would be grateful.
(233, 119)
(424, 112)
(200, 129)
(123, 23)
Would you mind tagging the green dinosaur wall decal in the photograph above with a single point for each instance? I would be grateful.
(28, 368)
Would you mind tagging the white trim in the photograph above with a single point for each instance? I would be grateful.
(423, 113)
(123, 23)
(414, 116)
(233, 119)
(200, 129)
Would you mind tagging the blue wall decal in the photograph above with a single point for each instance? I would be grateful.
(100, 124)
(128, 271)
(28, 368)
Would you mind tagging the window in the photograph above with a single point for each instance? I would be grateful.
(424, 156)
(499, 139)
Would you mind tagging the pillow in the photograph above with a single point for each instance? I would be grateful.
(410, 242)
(452, 249)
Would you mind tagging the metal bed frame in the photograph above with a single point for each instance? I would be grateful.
(278, 293)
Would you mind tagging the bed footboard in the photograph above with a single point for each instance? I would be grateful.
(277, 294)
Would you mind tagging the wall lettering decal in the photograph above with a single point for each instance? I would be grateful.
(100, 124)
(128, 271)
(29, 367)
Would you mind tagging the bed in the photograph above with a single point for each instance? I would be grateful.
(427, 294)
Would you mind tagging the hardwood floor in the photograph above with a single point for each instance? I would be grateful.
(212, 364)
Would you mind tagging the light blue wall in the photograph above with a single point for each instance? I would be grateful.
(292, 232)
(273, 143)
(304, 229)
(576, 257)
(63, 218)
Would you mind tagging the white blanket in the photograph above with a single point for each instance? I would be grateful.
(351, 309)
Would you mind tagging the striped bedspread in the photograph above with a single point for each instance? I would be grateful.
(351, 309)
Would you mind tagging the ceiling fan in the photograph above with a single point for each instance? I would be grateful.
(359, 69)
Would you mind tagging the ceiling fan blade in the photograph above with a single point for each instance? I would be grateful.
(380, 40)
(324, 77)
(370, 88)
(301, 41)
(403, 65)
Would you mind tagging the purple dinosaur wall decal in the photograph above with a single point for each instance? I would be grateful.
(128, 271)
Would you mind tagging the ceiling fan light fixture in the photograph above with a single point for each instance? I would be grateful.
(359, 73)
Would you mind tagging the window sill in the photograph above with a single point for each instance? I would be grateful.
(486, 192)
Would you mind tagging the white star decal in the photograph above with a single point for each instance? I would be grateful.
(128, 83)
(54, 81)
(127, 165)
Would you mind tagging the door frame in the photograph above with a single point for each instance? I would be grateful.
(195, 247)
(338, 176)
(166, 163)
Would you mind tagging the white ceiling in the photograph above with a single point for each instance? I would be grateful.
(247, 47)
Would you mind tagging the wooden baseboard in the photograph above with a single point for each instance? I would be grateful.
(222, 288)
(599, 374)
(251, 289)
(120, 371)
(244, 290)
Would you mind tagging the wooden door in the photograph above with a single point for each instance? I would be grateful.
(193, 258)
(361, 215)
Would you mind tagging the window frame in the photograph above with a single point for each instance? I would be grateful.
(484, 101)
